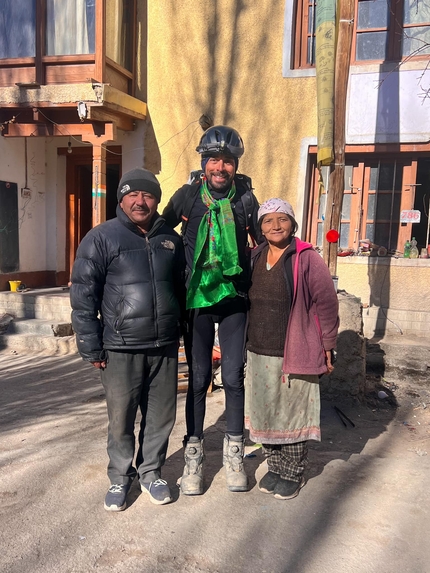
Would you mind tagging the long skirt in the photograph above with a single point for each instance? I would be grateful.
(280, 409)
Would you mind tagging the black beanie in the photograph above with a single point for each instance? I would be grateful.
(138, 179)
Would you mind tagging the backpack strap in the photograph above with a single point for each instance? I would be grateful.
(190, 199)
(248, 205)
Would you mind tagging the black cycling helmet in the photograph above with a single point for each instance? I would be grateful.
(221, 139)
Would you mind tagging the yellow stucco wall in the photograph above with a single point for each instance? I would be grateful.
(398, 283)
(224, 58)
(394, 292)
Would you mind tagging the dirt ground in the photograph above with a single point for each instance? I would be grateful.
(365, 507)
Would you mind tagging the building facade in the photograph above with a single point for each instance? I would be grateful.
(137, 81)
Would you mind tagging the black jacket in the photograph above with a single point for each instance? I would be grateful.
(186, 207)
(127, 287)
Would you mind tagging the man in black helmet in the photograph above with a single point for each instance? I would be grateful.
(218, 212)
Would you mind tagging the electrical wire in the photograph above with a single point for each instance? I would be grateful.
(180, 155)
(179, 132)
(134, 149)
(68, 134)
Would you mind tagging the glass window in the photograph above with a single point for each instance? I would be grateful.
(386, 175)
(70, 27)
(372, 46)
(370, 232)
(383, 208)
(348, 177)
(321, 208)
(373, 212)
(346, 206)
(344, 236)
(416, 41)
(371, 207)
(310, 58)
(320, 229)
(373, 14)
(373, 183)
(119, 32)
(311, 18)
(18, 29)
(416, 12)
(384, 30)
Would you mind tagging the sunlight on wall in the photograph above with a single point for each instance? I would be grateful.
(225, 60)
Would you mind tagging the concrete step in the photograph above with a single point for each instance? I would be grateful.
(404, 355)
(37, 326)
(45, 304)
(36, 335)
(46, 344)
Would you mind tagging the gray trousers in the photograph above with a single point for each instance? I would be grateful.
(147, 380)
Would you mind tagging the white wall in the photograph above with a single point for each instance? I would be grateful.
(42, 216)
(132, 146)
(387, 106)
(32, 213)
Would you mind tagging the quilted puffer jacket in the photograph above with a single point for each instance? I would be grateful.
(127, 287)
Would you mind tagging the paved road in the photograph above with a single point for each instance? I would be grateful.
(364, 509)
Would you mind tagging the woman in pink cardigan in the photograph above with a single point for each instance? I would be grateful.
(293, 326)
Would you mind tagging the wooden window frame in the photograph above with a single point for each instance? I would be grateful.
(301, 34)
(395, 28)
(69, 69)
(362, 157)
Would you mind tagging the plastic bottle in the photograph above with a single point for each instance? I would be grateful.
(414, 253)
(407, 250)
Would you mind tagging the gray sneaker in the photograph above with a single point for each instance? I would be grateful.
(115, 499)
(158, 490)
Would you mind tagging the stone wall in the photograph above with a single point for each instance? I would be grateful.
(349, 375)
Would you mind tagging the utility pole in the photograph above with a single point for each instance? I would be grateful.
(337, 175)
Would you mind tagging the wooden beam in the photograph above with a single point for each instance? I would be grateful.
(31, 104)
(99, 173)
(40, 34)
(106, 131)
(336, 182)
(99, 113)
(382, 148)
(116, 99)
(100, 39)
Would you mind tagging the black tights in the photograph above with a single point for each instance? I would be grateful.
(231, 319)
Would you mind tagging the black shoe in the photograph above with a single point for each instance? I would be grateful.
(268, 482)
(115, 499)
(287, 489)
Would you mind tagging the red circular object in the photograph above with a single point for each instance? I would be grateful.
(332, 236)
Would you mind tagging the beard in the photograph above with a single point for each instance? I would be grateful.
(220, 185)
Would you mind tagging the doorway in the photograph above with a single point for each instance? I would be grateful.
(79, 194)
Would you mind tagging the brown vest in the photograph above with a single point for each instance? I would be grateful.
(270, 306)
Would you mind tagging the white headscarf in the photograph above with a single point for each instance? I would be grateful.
(275, 206)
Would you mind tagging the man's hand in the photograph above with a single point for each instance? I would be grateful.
(99, 365)
(330, 366)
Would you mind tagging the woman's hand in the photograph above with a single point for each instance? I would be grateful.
(100, 365)
(330, 366)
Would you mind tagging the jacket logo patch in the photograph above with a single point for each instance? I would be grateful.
(168, 245)
(125, 188)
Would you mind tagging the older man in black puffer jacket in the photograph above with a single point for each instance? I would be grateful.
(126, 296)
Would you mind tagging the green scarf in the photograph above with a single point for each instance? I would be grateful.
(215, 255)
